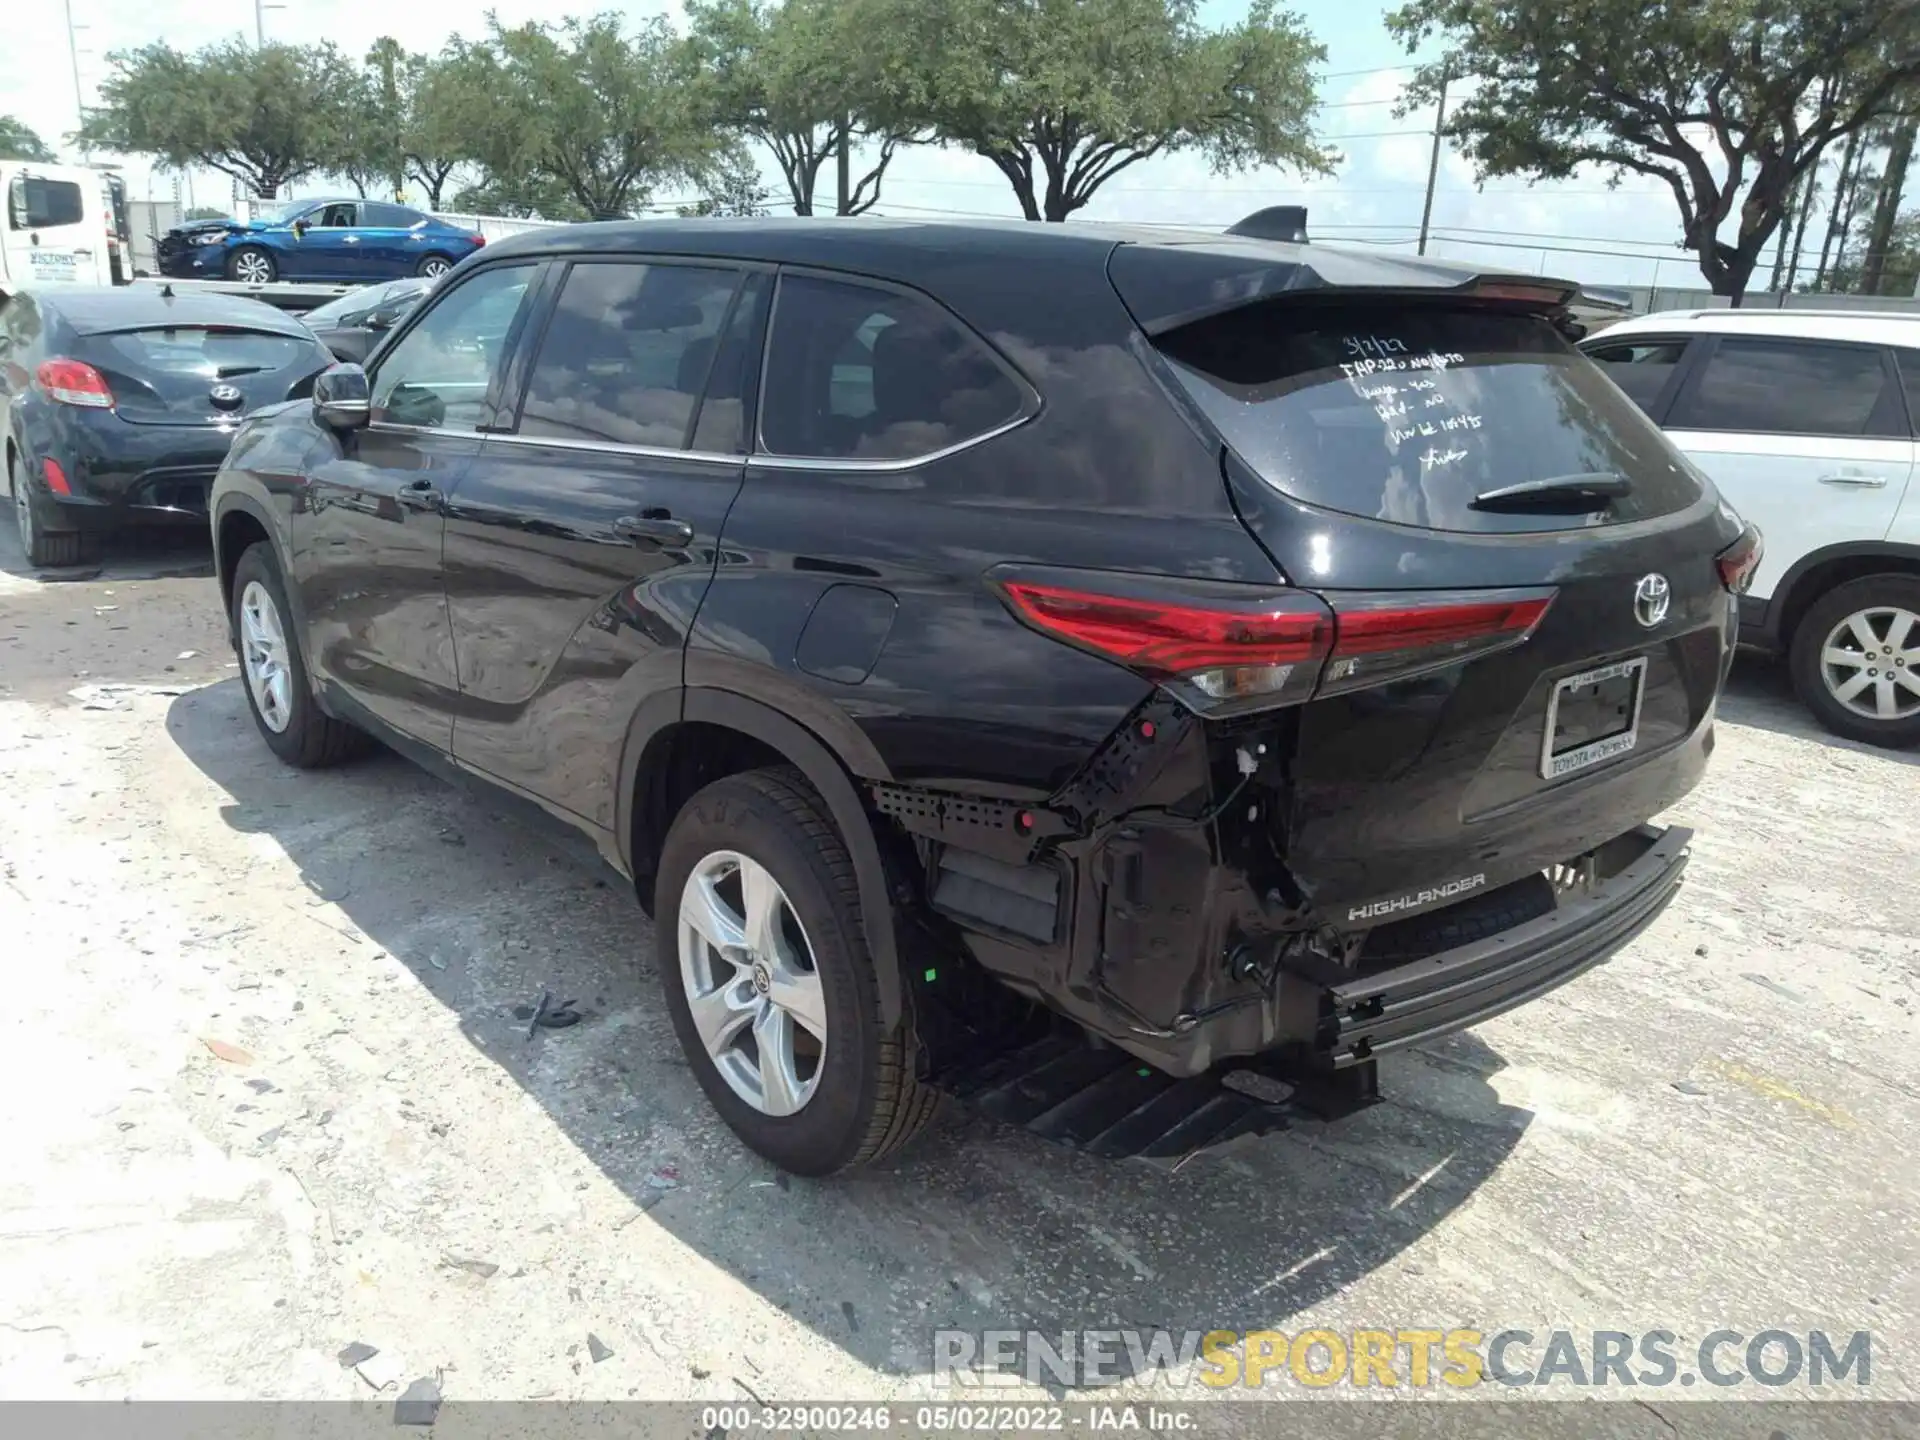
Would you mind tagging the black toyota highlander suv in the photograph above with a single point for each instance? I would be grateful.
(1132, 678)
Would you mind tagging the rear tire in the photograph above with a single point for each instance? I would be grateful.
(44, 550)
(253, 264)
(292, 722)
(860, 1099)
(1837, 672)
(433, 266)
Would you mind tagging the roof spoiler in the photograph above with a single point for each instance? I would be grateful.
(1276, 222)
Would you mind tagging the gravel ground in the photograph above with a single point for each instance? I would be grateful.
(268, 1091)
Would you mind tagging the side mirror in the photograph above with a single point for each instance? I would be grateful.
(299, 228)
(341, 399)
(381, 320)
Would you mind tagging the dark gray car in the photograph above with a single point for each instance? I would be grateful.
(352, 325)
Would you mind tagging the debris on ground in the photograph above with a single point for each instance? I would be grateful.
(221, 1050)
(356, 1354)
(485, 1269)
(549, 1016)
(667, 1177)
(419, 1405)
(1688, 1087)
(380, 1370)
(597, 1348)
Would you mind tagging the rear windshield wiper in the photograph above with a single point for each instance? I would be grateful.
(1593, 490)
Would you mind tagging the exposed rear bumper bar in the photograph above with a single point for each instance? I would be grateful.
(1366, 1017)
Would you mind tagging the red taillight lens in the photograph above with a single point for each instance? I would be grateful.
(74, 382)
(478, 241)
(1392, 635)
(1221, 647)
(1739, 560)
(56, 477)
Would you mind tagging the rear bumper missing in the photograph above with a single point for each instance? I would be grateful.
(1369, 1016)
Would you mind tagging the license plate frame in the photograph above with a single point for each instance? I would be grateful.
(1606, 747)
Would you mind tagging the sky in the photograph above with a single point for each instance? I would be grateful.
(1579, 229)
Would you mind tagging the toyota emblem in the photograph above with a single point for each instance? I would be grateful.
(225, 396)
(1650, 600)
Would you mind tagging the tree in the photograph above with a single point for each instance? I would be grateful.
(1728, 102)
(733, 187)
(1886, 205)
(540, 197)
(206, 212)
(446, 95)
(266, 116)
(18, 142)
(370, 145)
(794, 77)
(1899, 264)
(608, 115)
(1063, 95)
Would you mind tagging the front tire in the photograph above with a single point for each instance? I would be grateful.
(289, 719)
(772, 991)
(253, 264)
(1855, 660)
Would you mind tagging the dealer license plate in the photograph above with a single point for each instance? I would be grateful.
(1593, 716)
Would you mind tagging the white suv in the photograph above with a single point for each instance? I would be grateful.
(1807, 423)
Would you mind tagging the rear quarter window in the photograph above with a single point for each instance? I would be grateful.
(1405, 414)
(34, 203)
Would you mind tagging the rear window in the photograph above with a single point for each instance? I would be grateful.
(213, 353)
(37, 204)
(1406, 414)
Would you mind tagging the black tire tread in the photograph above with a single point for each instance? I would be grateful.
(903, 1105)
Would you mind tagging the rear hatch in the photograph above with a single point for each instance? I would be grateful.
(1529, 620)
(200, 374)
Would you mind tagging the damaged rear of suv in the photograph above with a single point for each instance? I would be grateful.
(1130, 679)
(1398, 786)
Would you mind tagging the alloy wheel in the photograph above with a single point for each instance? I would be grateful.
(253, 267)
(751, 983)
(1870, 663)
(434, 268)
(263, 651)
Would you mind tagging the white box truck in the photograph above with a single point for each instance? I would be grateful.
(55, 227)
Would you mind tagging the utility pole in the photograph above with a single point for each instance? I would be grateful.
(844, 164)
(1433, 161)
(73, 54)
(260, 8)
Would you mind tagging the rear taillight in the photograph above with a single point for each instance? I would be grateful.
(74, 382)
(1223, 648)
(56, 477)
(1392, 635)
(478, 241)
(1219, 647)
(1739, 560)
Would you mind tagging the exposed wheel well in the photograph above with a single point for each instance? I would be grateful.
(238, 530)
(677, 764)
(1819, 579)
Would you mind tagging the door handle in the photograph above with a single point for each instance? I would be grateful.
(420, 495)
(1855, 481)
(655, 525)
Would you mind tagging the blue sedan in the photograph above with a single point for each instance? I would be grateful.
(349, 240)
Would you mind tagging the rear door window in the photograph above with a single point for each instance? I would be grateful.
(1406, 414)
(1641, 368)
(859, 373)
(627, 352)
(1789, 387)
(34, 203)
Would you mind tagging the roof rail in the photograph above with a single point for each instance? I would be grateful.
(1276, 222)
(1801, 312)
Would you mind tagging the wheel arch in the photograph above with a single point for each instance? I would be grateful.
(674, 731)
(1819, 571)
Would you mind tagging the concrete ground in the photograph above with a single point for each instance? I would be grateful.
(268, 1092)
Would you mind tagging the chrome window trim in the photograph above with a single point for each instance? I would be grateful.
(867, 464)
(612, 447)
